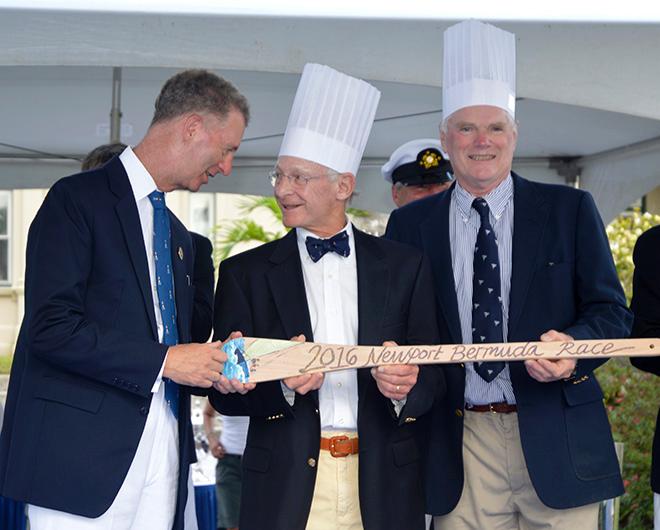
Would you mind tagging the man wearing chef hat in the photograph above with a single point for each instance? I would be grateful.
(519, 444)
(417, 169)
(326, 281)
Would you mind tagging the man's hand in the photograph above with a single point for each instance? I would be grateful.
(395, 381)
(217, 449)
(232, 386)
(547, 370)
(306, 382)
(194, 364)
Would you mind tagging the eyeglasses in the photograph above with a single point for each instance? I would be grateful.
(296, 180)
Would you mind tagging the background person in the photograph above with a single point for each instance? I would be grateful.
(417, 169)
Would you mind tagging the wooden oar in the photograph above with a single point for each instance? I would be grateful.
(255, 360)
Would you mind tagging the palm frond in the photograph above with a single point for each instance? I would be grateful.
(241, 231)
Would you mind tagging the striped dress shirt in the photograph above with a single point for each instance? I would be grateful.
(463, 228)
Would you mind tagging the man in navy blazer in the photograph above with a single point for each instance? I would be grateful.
(89, 439)
(562, 284)
(646, 307)
(335, 450)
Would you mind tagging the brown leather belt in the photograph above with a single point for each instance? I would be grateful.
(499, 408)
(340, 446)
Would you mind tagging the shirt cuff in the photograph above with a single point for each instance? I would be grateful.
(289, 394)
(398, 405)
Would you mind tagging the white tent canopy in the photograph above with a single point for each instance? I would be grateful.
(589, 91)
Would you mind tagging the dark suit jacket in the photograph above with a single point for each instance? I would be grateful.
(646, 307)
(88, 352)
(262, 293)
(202, 314)
(563, 278)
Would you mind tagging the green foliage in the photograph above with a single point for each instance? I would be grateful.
(5, 363)
(631, 396)
(623, 233)
(246, 230)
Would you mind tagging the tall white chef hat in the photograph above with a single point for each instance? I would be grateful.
(479, 67)
(331, 119)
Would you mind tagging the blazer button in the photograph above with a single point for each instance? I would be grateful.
(144, 410)
(311, 462)
(458, 412)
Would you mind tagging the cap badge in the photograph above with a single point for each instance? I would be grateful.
(429, 159)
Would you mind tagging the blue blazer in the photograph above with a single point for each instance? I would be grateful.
(646, 307)
(262, 293)
(88, 353)
(563, 278)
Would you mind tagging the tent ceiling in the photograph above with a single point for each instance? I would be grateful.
(585, 88)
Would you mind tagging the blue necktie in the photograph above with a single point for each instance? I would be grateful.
(317, 248)
(165, 287)
(486, 293)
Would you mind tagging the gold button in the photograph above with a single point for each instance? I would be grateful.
(311, 462)
(458, 412)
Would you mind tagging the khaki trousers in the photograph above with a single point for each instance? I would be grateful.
(498, 493)
(336, 501)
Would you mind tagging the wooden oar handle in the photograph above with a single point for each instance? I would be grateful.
(256, 360)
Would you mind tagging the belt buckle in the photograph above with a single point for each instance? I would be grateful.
(492, 410)
(333, 450)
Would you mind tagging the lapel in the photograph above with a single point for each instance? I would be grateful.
(130, 223)
(434, 232)
(285, 279)
(373, 286)
(181, 249)
(373, 282)
(530, 216)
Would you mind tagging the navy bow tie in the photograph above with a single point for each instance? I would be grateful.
(317, 248)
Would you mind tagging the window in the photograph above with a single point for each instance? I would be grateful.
(4, 236)
(202, 216)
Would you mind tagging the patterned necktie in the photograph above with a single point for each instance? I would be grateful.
(165, 287)
(317, 248)
(486, 294)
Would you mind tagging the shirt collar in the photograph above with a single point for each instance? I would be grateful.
(497, 199)
(141, 180)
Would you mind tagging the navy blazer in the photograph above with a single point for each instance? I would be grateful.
(88, 352)
(563, 278)
(262, 293)
(646, 307)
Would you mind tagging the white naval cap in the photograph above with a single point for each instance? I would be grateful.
(417, 162)
(331, 119)
(479, 67)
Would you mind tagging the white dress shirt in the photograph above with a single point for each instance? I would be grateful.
(332, 298)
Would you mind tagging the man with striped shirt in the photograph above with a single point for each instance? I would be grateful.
(520, 444)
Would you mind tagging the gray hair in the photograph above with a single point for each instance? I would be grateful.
(198, 91)
(444, 124)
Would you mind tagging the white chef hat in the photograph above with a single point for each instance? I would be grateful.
(479, 67)
(331, 119)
